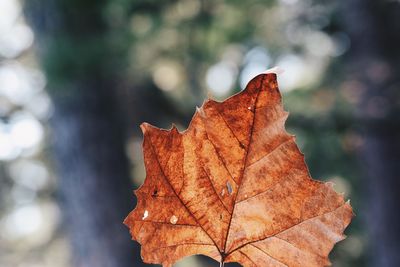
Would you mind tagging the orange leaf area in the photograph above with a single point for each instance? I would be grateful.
(234, 186)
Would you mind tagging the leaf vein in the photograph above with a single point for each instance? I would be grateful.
(287, 229)
(266, 253)
(244, 160)
(165, 177)
(215, 191)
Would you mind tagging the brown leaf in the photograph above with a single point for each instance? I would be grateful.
(235, 187)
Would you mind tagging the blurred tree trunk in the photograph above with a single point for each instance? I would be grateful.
(374, 29)
(81, 64)
(94, 179)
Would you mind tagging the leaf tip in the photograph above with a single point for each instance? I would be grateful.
(174, 129)
(200, 111)
(275, 70)
(144, 127)
(350, 207)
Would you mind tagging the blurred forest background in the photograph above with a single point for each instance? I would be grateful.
(77, 77)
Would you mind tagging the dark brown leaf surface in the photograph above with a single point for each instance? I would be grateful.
(234, 186)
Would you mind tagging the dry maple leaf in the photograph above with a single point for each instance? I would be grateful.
(235, 187)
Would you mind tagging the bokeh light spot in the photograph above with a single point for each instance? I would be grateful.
(167, 75)
(220, 78)
(26, 132)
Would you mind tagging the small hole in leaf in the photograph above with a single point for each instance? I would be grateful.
(173, 219)
(155, 192)
(222, 192)
(229, 187)
(145, 214)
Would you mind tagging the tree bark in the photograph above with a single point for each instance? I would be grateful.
(88, 137)
(94, 180)
(374, 62)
